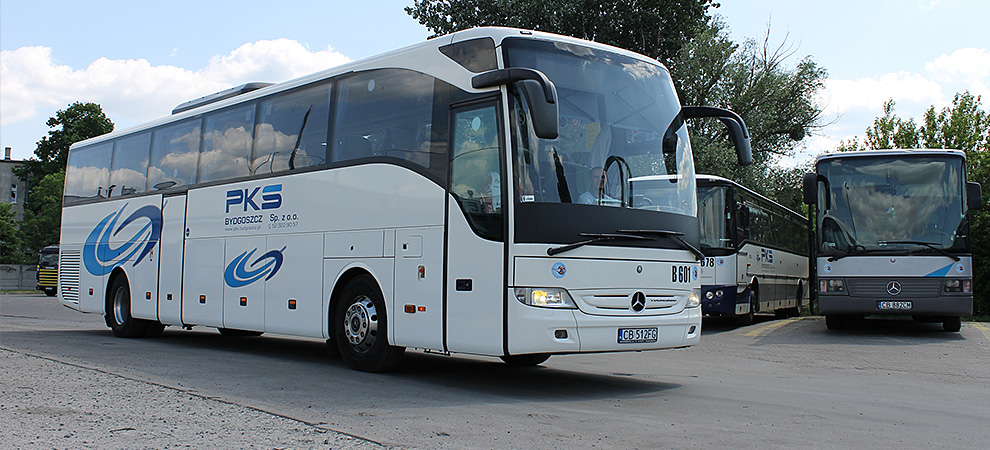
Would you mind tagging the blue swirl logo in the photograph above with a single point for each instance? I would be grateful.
(238, 273)
(98, 255)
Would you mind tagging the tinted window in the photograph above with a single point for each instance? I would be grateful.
(292, 130)
(386, 113)
(130, 165)
(174, 155)
(87, 174)
(226, 151)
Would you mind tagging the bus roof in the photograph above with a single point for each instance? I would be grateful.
(424, 57)
(892, 152)
(715, 180)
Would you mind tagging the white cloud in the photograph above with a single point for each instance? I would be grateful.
(842, 95)
(133, 90)
(966, 67)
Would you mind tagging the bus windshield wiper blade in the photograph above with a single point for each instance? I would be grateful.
(854, 249)
(675, 235)
(594, 237)
(930, 245)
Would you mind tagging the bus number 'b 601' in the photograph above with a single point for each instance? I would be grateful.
(680, 274)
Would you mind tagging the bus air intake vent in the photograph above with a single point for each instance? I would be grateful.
(68, 275)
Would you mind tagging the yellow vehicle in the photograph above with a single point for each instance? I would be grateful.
(48, 270)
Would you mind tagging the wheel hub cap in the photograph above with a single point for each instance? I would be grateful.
(361, 324)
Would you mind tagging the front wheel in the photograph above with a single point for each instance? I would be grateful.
(360, 327)
(749, 317)
(952, 324)
(530, 360)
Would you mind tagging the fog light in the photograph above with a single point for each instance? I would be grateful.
(560, 334)
(709, 295)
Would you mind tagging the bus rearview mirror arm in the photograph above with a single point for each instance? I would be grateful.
(732, 121)
(540, 92)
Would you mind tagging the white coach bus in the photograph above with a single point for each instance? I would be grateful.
(893, 235)
(428, 198)
(756, 252)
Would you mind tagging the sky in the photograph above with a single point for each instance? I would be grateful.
(138, 60)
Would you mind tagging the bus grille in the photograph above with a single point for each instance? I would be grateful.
(68, 274)
(910, 287)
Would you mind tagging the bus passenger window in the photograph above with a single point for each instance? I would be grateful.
(174, 155)
(130, 165)
(292, 130)
(226, 144)
(87, 174)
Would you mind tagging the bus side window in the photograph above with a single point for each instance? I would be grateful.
(292, 130)
(128, 171)
(227, 138)
(88, 172)
(174, 155)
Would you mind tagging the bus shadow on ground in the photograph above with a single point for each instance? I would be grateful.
(260, 355)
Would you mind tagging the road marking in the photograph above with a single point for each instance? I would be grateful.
(770, 327)
(983, 329)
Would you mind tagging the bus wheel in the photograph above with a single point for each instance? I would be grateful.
(118, 312)
(747, 319)
(230, 332)
(952, 324)
(361, 329)
(836, 322)
(50, 292)
(534, 359)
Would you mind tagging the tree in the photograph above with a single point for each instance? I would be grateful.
(73, 124)
(777, 103)
(10, 239)
(41, 224)
(656, 28)
(962, 126)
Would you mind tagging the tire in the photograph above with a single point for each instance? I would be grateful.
(530, 360)
(796, 310)
(360, 327)
(747, 319)
(50, 292)
(835, 322)
(118, 310)
(230, 332)
(952, 324)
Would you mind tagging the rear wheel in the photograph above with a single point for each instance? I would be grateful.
(118, 310)
(360, 327)
(534, 359)
(50, 292)
(835, 322)
(952, 324)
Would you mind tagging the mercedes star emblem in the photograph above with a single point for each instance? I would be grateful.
(893, 288)
(638, 301)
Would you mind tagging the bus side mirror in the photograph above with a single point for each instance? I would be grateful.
(732, 121)
(810, 188)
(540, 93)
(974, 196)
(544, 113)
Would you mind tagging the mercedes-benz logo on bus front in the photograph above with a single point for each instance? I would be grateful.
(893, 288)
(638, 301)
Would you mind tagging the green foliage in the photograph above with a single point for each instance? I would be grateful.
(656, 28)
(73, 124)
(41, 225)
(777, 103)
(962, 126)
(10, 238)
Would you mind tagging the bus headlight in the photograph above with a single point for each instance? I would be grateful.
(964, 285)
(694, 298)
(831, 285)
(545, 297)
(709, 295)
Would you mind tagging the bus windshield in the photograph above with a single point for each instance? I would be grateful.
(619, 121)
(892, 204)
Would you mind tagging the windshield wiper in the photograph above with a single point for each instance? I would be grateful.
(595, 237)
(849, 251)
(675, 235)
(930, 245)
